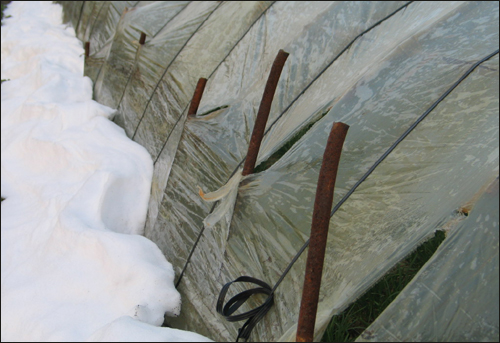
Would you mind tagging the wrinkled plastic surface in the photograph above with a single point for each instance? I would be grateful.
(378, 82)
(464, 267)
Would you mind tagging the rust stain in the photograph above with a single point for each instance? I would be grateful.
(142, 40)
(87, 49)
(198, 93)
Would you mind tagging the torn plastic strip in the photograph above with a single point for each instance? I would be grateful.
(223, 191)
(228, 194)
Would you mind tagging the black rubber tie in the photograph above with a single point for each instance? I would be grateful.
(253, 316)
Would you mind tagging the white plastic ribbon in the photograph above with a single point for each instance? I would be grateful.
(227, 194)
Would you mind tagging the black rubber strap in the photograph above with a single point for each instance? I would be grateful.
(253, 316)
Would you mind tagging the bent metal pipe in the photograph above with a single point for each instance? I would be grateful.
(263, 114)
(319, 232)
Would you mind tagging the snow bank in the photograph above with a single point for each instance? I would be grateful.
(74, 266)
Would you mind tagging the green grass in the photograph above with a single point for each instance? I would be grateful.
(4, 6)
(347, 326)
(212, 110)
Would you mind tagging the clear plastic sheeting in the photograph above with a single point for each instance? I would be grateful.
(419, 50)
(125, 47)
(102, 18)
(415, 190)
(155, 56)
(464, 267)
(227, 194)
(376, 66)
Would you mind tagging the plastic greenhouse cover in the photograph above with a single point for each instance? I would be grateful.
(377, 66)
(213, 145)
(116, 71)
(464, 267)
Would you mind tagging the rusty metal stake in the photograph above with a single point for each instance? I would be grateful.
(319, 232)
(198, 93)
(142, 39)
(263, 114)
(87, 49)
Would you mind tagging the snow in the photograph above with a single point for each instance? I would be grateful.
(74, 264)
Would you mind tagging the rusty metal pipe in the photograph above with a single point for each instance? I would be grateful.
(263, 114)
(319, 232)
(87, 49)
(142, 40)
(198, 93)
